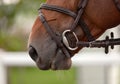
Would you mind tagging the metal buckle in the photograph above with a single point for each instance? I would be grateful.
(65, 41)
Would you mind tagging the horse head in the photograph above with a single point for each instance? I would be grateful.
(46, 51)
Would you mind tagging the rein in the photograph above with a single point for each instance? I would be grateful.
(64, 41)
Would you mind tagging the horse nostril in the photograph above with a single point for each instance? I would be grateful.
(33, 53)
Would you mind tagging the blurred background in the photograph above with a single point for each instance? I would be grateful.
(16, 20)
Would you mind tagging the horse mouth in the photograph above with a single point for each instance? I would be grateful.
(61, 62)
(54, 65)
(57, 62)
(62, 66)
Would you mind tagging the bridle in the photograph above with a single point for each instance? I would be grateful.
(117, 4)
(64, 41)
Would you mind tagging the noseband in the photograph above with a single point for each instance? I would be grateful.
(64, 41)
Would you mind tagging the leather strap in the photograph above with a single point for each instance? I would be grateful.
(58, 9)
(86, 30)
(81, 8)
(117, 4)
(78, 21)
(57, 39)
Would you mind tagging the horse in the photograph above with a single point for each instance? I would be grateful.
(63, 23)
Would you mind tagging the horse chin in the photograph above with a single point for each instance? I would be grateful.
(43, 66)
(58, 62)
(61, 62)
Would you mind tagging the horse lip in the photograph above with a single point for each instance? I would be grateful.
(58, 68)
(53, 66)
(56, 65)
(42, 66)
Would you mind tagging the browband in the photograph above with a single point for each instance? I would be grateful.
(58, 9)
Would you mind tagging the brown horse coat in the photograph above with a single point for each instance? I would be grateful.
(99, 15)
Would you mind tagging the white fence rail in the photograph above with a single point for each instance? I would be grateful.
(87, 58)
(83, 59)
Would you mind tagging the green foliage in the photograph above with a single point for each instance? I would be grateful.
(28, 6)
(34, 76)
(12, 43)
(24, 6)
(8, 14)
